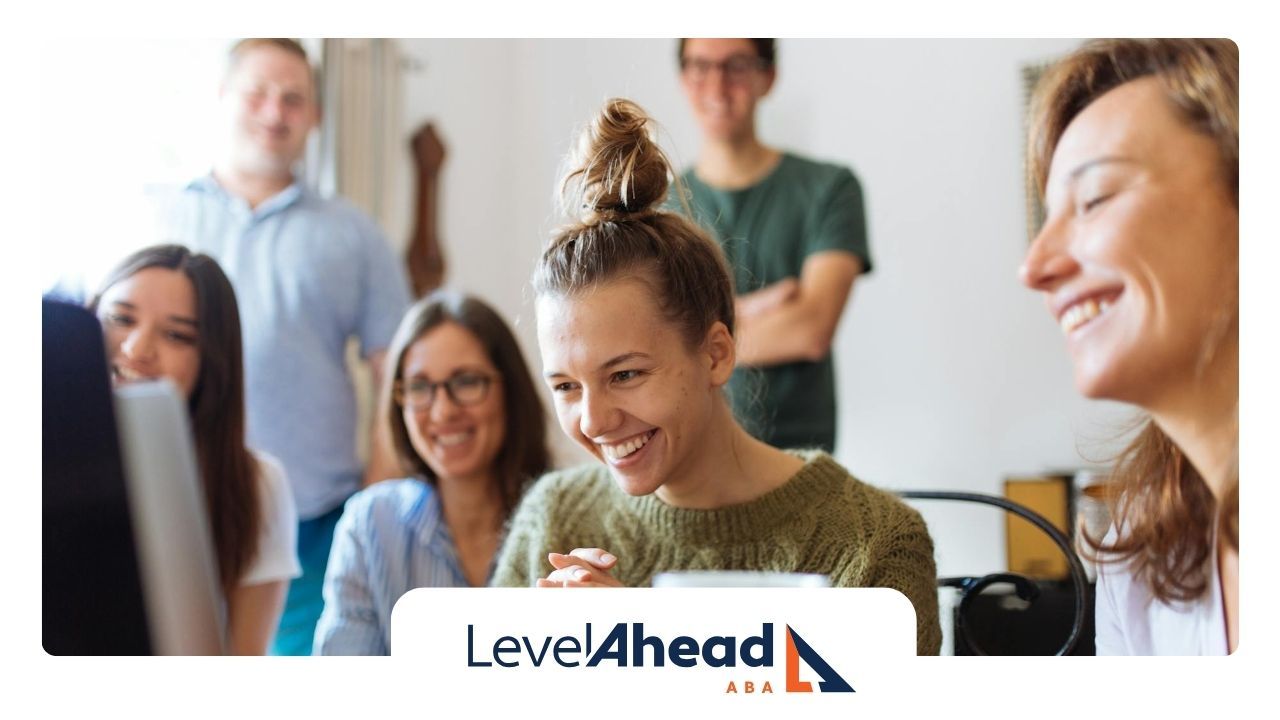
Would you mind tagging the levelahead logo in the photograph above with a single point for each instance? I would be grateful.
(797, 650)
(629, 645)
(636, 650)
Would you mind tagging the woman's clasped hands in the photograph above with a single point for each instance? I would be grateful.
(583, 567)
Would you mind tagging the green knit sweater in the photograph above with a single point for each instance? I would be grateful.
(822, 520)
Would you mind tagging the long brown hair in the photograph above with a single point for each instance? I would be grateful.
(228, 472)
(614, 187)
(524, 455)
(1163, 508)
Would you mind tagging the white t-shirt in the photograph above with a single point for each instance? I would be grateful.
(277, 557)
(1131, 621)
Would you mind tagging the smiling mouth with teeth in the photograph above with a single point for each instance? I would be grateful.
(622, 450)
(125, 374)
(1082, 313)
(452, 439)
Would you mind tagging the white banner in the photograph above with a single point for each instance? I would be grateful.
(705, 645)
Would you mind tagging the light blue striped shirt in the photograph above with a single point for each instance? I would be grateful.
(309, 273)
(391, 539)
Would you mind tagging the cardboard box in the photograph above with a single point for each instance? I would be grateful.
(1028, 550)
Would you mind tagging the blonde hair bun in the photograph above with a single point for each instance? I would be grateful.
(617, 171)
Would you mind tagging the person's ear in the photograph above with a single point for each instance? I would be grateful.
(720, 353)
(767, 81)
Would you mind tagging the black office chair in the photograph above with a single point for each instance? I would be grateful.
(1026, 589)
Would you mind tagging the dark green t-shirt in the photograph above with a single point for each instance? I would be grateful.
(767, 231)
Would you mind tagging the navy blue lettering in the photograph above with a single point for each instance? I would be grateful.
(536, 657)
(639, 642)
(726, 659)
(626, 644)
(560, 647)
(613, 648)
(499, 648)
(684, 651)
(765, 642)
(471, 629)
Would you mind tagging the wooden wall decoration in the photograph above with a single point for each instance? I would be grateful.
(424, 257)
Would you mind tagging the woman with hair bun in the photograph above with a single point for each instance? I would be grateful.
(635, 316)
(1135, 146)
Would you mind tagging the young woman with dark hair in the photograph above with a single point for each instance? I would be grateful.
(169, 313)
(467, 424)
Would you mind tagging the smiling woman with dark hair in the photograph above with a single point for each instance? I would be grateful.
(1135, 145)
(169, 313)
(467, 423)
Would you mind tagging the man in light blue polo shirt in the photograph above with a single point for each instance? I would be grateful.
(310, 273)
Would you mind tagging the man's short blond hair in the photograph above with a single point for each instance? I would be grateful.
(244, 46)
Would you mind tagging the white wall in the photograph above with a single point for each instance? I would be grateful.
(117, 116)
(950, 374)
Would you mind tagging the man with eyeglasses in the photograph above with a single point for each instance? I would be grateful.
(794, 232)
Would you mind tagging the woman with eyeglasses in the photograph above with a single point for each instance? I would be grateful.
(466, 420)
(794, 232)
